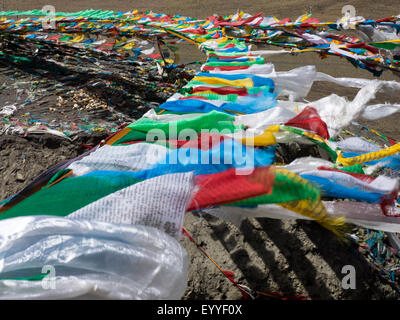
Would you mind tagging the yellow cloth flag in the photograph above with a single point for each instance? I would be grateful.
(78, 38)
(247, 82)
(372, 156)
(129, 46)
(267, 138)
(312, 207)
(316, 211)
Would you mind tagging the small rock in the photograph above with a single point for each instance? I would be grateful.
(20, 177)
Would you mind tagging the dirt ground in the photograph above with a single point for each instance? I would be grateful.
(264, 254)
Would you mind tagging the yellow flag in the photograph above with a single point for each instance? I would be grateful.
(78, 38)
(219, 81)
(372, 156)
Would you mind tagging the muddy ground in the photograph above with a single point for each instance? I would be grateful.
(264, 254)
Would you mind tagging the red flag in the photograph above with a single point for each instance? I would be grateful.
(227, 186)
(224, 68)
(309, 119)
(241, 91)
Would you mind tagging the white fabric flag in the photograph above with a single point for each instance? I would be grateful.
(158, 202)
(362, 214)
(134, 157)
(89, 260)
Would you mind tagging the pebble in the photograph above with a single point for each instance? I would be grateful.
(20, 177)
